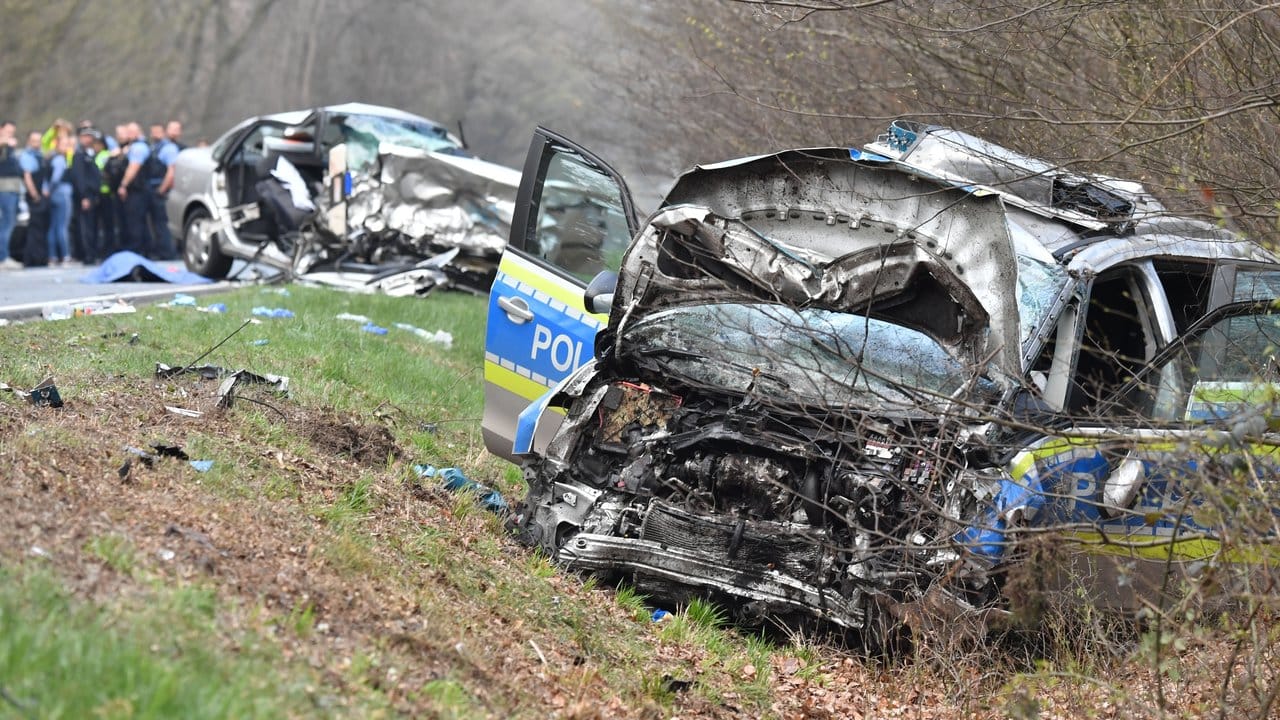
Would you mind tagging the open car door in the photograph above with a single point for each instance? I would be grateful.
(573, 219)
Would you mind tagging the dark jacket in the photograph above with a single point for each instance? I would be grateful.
(84, 175)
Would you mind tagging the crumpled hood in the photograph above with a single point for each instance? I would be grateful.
(443, 199)
(818, 228)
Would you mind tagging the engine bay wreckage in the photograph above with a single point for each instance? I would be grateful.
(380, 217)
(795, 407)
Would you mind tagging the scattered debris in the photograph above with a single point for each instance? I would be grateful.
(218, 308)
(439, 337)
(201, 465)
(455, 481)
(173, 451)
(661, 615)
(68, 311)
(184, 412)
(44, 394)
(262, 311)
(133, 337)
(353, 318)
(146, 458)
(230, 379)
(182, 300)
(166, 554)
(673, 685)
(418, 279)
(373, 329)
(259, 342)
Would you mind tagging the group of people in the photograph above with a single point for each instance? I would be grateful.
(88, 194)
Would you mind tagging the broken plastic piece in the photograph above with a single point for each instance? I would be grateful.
(374, 329)
(353, 318)
(145, 457)
(201, 465)
(259, 342)
(173, 451)
(46, 393)
(455, 481)
(218, 308)
(182, 300)
(272, 312)
(439, 337)
(183, 411)
(659, 615)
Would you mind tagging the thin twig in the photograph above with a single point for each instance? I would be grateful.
(215, 347)
(538, 650)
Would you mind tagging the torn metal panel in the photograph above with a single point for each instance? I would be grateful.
(434, 201)
(814, 228)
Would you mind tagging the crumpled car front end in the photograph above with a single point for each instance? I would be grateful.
(796, 346)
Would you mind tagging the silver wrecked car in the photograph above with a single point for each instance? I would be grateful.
(343, 191)
(843, 384)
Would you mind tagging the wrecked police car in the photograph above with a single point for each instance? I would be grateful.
(838, 384)
(356, 195)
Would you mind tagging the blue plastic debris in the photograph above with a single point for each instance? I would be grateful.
(371, 328)
(455, 481)
(659, 615)
(272, 312)
(260, 342)
(183, 300)
(215, 308)
(202, 465)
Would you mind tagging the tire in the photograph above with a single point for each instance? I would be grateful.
(200, 246)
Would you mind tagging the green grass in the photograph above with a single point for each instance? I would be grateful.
(63, 658)
(443, 554)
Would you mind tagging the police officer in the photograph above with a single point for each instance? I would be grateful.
(164, 152)
(133, 190)
(35, 176)
(86, 183)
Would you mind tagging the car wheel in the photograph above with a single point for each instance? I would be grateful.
(200, 246)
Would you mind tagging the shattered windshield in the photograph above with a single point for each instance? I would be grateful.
(1038, 286)
(819, 355)
(364, 133)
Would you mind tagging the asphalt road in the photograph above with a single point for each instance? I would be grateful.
(24, 293)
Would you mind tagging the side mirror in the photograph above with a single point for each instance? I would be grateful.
(599, 295)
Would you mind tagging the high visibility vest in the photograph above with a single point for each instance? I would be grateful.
(101, 161)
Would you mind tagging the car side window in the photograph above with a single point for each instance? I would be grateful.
(1231, 367)
(253, 148)
(582, 224)
(1256, 285)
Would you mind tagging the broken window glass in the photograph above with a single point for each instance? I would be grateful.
(1038, 286)
(582, 225)
(364, 134)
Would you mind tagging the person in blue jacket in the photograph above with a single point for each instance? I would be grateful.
(59, 194)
